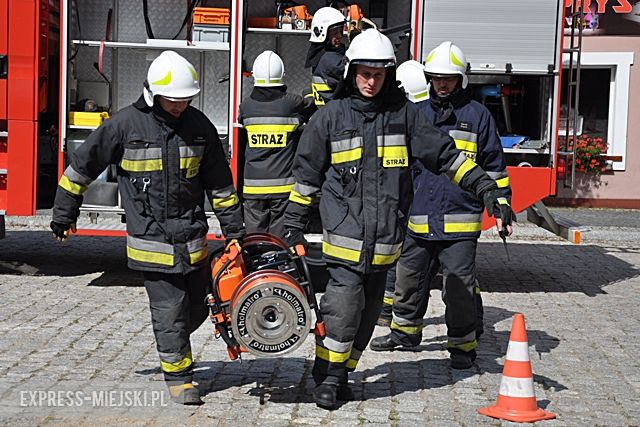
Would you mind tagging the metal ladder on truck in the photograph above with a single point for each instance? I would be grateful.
(538, 212)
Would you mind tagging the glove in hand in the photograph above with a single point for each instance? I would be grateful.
(61, 231)
(498, 207)
(295, 236)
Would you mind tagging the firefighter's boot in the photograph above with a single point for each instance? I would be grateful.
(185, 394)
(345, 393)
(395, 340)
(462, 359)
(326, 396)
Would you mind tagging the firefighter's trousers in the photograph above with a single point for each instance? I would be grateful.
(415, 272)
(350, 307)
(265, 215)
(178, 308)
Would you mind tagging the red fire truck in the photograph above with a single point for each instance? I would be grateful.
(66, 65)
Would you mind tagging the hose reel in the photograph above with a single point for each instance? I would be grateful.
(261, 297)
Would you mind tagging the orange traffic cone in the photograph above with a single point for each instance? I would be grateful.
(516, 399)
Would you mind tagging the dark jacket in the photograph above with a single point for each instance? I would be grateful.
(440, 209)
(326, 76)
(164, 167)
(357, 151)
(272, 119)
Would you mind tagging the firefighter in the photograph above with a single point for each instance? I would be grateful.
(272, 118)
(414, 83)
(445, 222)
(326, 53)
(168, 155)
(356, 151)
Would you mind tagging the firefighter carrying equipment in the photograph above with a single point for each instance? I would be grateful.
(165, 166)
(360, 160)
(292, 15)
(412, 80)
(261, 297)
(323, 20)
(447, 59)
(172, 77)
(370, 48)
(268, 70)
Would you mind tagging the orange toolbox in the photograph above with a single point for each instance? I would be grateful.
(211, 15)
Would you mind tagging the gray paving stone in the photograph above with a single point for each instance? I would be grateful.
(87, 326)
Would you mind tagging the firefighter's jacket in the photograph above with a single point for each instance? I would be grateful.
(164, 168)
(272, 119)
(326, 76)
(440, 209)
(358, 152)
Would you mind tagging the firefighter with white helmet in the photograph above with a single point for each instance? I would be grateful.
(356, 151)
(272, 119)
(326, 53)
(445, 222)
(168, 156)
(412, 80)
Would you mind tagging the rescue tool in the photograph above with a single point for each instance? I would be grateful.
(261, 297)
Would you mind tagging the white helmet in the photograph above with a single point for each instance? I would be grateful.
(268, 70)
(445, 60)
(412, 80)
(171, 76)
(372, 48)
(323, 19)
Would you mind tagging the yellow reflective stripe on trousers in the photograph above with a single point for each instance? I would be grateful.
(177, 366)
(387, 300)
(410, 330)
(462, 223)
(331, 356)
(464, 168)
(71, 186)
(227, 202)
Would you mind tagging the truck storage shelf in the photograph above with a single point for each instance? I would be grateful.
(82, 127)
(279, 31)
(4, 134)
(526, 150)
(159, 44)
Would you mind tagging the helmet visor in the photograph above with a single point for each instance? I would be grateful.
(374, 63)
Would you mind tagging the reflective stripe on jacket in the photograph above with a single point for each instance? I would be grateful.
(272, 120)
(163, 172)
(358, 154)
(440, 209)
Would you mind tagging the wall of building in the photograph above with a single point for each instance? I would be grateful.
(617, 189)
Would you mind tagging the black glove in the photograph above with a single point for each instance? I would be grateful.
(295, 236)
(499, 207)
(61, 231)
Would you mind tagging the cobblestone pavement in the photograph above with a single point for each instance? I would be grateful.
(76, 346)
